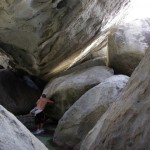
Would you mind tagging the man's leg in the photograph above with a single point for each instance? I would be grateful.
(40, 123)
(38, 126)
(42, 120)
(41, 126)
(37, 122)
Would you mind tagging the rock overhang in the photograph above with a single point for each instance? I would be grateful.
(55, 34)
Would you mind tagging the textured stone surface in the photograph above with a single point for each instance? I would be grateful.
(126, 124)
(99, 61)
(127, 45)
(4, 61)
(67, 89)
(18, 93)
(83, 115)
(14, 136)
(45, 37)
(28, 121)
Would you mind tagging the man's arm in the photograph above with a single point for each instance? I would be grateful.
(37, 101)
(50, 101)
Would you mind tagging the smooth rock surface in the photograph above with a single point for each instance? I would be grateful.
(67, 89)
(126, 124)
(14, 136)
(127, 45)
(85, 112)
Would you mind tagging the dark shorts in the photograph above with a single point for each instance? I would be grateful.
(40, 118)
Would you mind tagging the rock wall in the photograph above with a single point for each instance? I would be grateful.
(45, 37)
(126, 124)
(86, 111)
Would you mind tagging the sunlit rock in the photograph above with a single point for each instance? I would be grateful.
(127, 44)
(14, 136)
(67, 89)
(126, 124)
(83, 115)
(4, 61)
(99, 61)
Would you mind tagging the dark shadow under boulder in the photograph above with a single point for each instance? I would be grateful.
(18, 93)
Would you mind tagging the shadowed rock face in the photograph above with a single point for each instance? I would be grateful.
(18, 93)
(44, 37)
(126, 124)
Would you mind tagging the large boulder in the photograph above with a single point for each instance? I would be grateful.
(83, 115)
(67, 89)
(14, 136)
(126, 124)
(127, 44)
(45, 37)
(18, 93)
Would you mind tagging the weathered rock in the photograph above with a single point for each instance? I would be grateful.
(126, 124)
(28, 121)
(14, 136)
(100, 61)
(127, 45)
(67, 89)
(18, 93)
(101, 50)
(83, 115)
(45, 37)
(4, 61)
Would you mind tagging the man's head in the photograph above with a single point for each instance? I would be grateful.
(43, 95)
